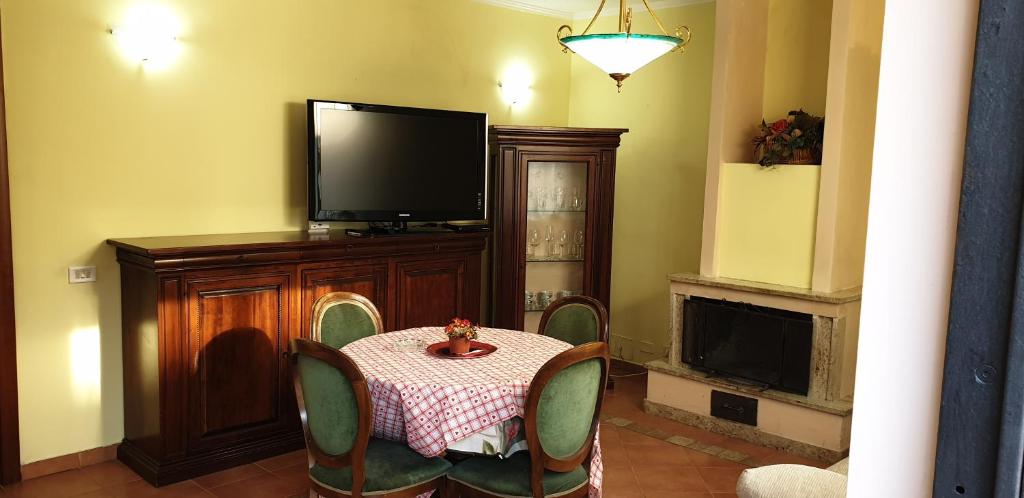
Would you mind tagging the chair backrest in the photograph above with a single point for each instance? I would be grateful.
(576, 320)
(334, 405)
(343, 317)
(562, 410)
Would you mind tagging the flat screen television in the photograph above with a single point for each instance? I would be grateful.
(380, 163)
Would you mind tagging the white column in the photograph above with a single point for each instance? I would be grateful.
(924, 84)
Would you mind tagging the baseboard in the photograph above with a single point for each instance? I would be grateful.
(161, 473)
(68, 462)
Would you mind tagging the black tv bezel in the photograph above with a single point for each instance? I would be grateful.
(313, 168)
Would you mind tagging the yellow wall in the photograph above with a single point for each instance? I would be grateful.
(849, 145)
(796, 58)
(767, 222)
(216, 143)
(660, 176)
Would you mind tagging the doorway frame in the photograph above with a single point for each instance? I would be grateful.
(10, 444)
(981, 422)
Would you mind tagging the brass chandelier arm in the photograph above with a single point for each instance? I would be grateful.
(684, 34)
(565, 28)
(594, 19)
(654, 16)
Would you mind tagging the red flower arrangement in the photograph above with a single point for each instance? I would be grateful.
(460, 332)
(461, 328)
(796, 139)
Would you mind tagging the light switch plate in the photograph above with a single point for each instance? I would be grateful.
(81, 274)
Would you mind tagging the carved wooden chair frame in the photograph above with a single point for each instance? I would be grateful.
(356, 457)
(599, 311)
(332, 299)
(539, 459)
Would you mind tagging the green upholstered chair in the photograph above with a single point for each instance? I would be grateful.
(343, 317)
(576, 320)
(562, 411)
(336, 412)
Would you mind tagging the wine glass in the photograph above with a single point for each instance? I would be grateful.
(559, 198)
(562, 239)
(578, 240)
(533, 240)
(550, 239)
(577, 201)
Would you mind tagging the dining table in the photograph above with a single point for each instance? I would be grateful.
(437, 404)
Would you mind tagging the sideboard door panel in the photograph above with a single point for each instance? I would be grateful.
(369, 281)
(430, 292)
(237, 334)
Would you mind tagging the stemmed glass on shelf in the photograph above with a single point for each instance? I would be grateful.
(533, 240)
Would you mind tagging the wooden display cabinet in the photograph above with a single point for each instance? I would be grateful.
(554, 191)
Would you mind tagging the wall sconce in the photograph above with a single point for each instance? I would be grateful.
(515, 85)
(148, 34)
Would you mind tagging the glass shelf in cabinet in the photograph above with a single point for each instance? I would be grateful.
(553, 260)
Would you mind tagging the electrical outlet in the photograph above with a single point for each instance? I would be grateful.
(81, 274)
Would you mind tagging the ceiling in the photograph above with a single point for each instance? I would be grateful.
(581, 9)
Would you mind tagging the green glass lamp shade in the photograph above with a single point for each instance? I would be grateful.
(620, 54)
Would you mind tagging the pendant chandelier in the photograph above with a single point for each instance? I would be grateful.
(623, 53)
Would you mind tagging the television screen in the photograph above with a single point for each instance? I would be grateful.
(382, 163)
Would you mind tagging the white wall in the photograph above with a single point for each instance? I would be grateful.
(927, 55)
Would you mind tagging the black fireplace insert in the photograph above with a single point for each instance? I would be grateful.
(765, 346)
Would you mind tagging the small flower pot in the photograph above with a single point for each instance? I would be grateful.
(458, 345)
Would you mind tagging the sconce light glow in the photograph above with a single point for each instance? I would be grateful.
(85, 364)
(515, 85)
(149, 35)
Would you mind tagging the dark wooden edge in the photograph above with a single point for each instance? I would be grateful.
(10, 449)
(540, 460)
(981, 420)
(599, 311)
(356, 457)
(330, 299)
(548, 135)
(270, 242)
(554, 130)
(164, 473)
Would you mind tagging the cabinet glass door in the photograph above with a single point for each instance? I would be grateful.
(556, 235)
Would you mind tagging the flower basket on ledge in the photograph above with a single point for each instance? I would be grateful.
(802, 156)
(796, 139)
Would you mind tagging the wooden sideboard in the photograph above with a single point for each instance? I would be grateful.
(207, 320)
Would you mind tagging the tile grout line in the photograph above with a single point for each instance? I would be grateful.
(686, 442)
(632, 471)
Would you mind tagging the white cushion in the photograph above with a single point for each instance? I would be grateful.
(789, 481)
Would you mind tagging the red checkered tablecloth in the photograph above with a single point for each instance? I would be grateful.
(431, 402)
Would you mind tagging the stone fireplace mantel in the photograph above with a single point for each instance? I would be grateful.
(816, 425)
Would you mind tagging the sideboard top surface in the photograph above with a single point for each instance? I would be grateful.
(180, 245)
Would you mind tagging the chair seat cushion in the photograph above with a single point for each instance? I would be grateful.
(511, 476)
(390, 466)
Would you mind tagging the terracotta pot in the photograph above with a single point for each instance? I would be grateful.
(458, 345)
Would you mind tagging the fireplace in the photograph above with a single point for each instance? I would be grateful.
(767, 363)
(764, 346)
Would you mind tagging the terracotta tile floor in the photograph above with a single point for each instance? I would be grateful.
(636, 465)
